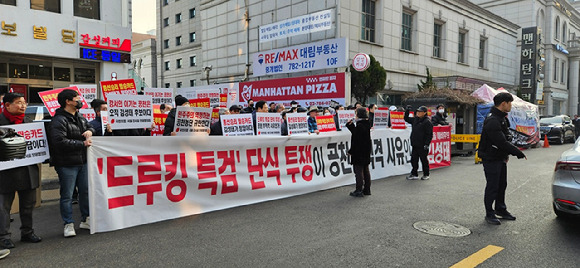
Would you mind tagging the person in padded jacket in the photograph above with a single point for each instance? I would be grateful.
(440, 118)
(360, 151)
(421, 136)
(170, 121)
(70, 135)
(494, 149)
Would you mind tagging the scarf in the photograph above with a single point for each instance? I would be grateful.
(14, 119)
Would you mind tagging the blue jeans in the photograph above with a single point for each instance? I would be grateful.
(70, 177)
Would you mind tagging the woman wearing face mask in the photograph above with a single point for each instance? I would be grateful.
(439, 119)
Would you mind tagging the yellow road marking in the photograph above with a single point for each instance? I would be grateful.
(478, 257)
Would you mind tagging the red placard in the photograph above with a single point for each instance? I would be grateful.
(50, 99)
(215, 115)
(125, 86)
(440, 147)
(202, 103)
(307, 90)
(159, 120)
(325, 123)
(398, 120)
(224, 100)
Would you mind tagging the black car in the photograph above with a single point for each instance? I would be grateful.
(558, 128)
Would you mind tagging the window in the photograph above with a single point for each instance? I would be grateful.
(192, 83)
(165, 2)
(178, 18)
(3, 69)
(437, 32)
(368, 20)
(556, 64)
(564, 32)
(8, 2)
(167, 65)
(178, 84)
(85, 75)
(178, 63)
(17, 70)
(557, 32)
(61, 74)
(46, 5)
(192, 13)
(178, 41)
(89, 9)
(406, 32)
(192, 37)
(482, 43)
(166, 43)
(563, 73)
(40, 71)
(165, 22)
(461, 47)
(192, 61)
(167, 85)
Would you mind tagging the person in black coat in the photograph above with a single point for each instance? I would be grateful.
(494, 149)
(440, 117)
(360, 151)
(576, 122)
(23, 179)
(421, 136)
(170, 121)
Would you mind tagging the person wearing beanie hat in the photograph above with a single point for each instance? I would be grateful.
(360, 151)
(421, 136)
(170, 121)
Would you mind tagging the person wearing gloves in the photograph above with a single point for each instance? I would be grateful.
(360, 151)
(494, 149)
(421, 136)
(440, 117)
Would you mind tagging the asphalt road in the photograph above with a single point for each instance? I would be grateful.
(331, 229)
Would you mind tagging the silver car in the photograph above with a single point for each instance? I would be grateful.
(566, 183)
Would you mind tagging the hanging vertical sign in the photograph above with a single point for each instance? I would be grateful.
(528, 64)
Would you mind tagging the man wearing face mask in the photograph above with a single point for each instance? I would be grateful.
(440, 118)
(70, 135)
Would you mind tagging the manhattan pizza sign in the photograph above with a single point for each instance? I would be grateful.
(307, 90)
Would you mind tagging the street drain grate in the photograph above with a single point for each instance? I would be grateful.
(441, 228)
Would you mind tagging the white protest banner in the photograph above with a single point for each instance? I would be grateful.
(192, 121)
(329, 53)
(89, 92)
(381, 119)
(344, 116)
(130, 111)
(237, 125)
(160, 95)
(309, 23)
(212, 94)
(297, 123)
(88, 114)
(172, 177)
(227, 88)
(268, 124)
(36, 145)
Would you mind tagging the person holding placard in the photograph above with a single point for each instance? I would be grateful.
(421, 136)
(312, 126)
(170, 121)
(100, 106)
(372, 108)
(23, 180)
(360, 151)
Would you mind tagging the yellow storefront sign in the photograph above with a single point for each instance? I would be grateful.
(473, 138)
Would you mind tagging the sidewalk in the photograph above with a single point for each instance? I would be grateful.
(49, 182)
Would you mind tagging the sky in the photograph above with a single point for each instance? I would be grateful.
(144, 18)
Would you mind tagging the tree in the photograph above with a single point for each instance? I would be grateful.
(366, 84)
(428, 84)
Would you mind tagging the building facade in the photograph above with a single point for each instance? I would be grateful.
(52, 44)
(144, 60)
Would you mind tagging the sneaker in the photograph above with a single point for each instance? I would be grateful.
(492, 220)
(505, 215)
(4, 253)
(356, 194)
(85, 224)
(412, 177)
(69, 230)
(425, 178)
(31, 237)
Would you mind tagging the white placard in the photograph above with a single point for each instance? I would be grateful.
(330, 53)
(88, 114)
(344, 116)
(297, 123)
(160, 95)
(212, 94)
(381, 119)
(192, 121)
(37, 145)
(237, 125)
(89, 92)
(309, 23)
(268, 124)
(130, 111)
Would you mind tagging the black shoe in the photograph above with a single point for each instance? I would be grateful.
(505, 215)
(31, 237)
(367, 192)
(6, 243)
(356, 194)
(75, 201)
(11, 219)
(492, 220)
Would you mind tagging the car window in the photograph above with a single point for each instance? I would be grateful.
(551, 120)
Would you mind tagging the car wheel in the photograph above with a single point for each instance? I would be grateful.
(561, 139)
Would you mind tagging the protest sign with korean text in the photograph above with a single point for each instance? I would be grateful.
(309, 23)
(89, 91)
(237, 125)
(344, 116)
(125, 87)
(192, 121)
(212, 94)
(381, 119)
(88, 114)
(268, 124)
(159, 119)
(325, 123)
(398, 120)
(50, 99)
(36, 145)
(160, 95)
(297, 123)
(201, 103)
(130, 111)
(440, 147)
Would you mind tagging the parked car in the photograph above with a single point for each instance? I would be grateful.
(559, 129)
(38, 113)
(566, 183)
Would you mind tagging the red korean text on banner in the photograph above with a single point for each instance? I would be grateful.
(201, 103)
(50, 99)
(268, 124)
(125, 86)
(212, 94)
(224, 100)
(398, 120)
(192, 121)
(237, 125)
(215, 115)
(159, 120)
(89, 92)
(325, 123)
(440, 148)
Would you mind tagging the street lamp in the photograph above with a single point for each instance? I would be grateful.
(207, 69)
